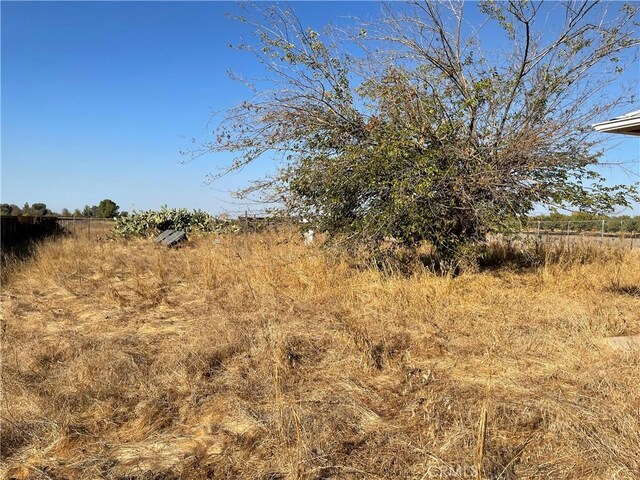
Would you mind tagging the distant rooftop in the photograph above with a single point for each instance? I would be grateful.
(628, 124)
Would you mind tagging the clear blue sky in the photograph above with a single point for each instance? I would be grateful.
(98, 99)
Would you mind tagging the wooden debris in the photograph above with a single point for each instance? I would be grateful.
(171, 238)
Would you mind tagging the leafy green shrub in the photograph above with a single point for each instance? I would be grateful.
(150, 222)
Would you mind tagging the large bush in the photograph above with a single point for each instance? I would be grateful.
(406, 128)
(150, 222)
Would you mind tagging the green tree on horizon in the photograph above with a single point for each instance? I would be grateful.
(107, 209)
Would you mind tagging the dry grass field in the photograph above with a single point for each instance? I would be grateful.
(258, 357)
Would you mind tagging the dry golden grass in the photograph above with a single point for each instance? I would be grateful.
(258, 357)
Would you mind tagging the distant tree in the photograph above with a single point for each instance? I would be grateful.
(89, 211)
(39, 209)
(77, 213)
(124, 214)
(35, 210)
(10, 209)
(65, 213)
(581, 216)
(107, 209)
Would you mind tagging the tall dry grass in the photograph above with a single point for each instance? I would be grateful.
(259, 357)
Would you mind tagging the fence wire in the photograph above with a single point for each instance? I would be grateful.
(610, 231)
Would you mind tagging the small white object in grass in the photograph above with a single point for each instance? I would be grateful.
(308, 237)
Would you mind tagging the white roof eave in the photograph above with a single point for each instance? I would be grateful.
(621, 123)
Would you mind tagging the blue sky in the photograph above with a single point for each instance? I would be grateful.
(99, 98)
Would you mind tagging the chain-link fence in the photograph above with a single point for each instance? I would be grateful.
(622, 231)
(599, 226)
